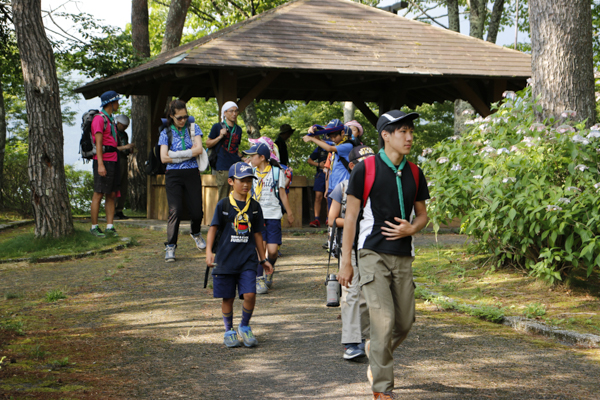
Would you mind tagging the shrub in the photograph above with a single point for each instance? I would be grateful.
(55, 295)
(527, 191)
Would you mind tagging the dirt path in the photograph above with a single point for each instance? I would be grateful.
(169, 331)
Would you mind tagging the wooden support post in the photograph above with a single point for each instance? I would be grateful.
(257, 90)
(499, 89)
(227, 87)
(367, 112)
(471, 96)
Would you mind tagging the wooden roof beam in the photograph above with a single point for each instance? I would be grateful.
(472, 97)
(257, 89)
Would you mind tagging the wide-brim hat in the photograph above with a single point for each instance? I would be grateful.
(394, 116)
(334, 126)
(241, 170)
(109, 97)
(286, 128)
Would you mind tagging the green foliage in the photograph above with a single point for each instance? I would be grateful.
(527, 191)
(80, 185)
(12, 325)
(55, 295)
(16, 191)
(12, 295)
(435, 123)
(534, 310)
(38, 353)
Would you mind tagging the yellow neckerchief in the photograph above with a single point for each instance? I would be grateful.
(259, 186)
(334, 153)
(241, 216)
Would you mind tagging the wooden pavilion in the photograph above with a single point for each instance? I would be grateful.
(328, 50)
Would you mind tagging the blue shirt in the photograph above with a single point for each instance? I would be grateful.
(176, 145)
(236, 252)
(226, 158)
(339, 171)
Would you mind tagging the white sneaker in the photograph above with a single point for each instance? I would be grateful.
(170, 253)
(200, 243)
(261, 286)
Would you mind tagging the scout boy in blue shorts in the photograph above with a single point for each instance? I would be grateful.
(239, 221)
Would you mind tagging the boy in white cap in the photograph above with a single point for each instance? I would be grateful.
(227, 135)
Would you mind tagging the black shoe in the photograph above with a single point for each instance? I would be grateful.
(120, 215)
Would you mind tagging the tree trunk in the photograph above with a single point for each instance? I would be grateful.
(349, 110)
(251, 120)
(174, 26)
(477, 18)
(50, 199)
(453, 15)
(494, 25)
(139, 111)
(562, 57)
(2, 144)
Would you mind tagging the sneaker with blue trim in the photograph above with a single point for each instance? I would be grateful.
(200, 243)
(269, 280)
(231, 339)
(353, 351)
(111, 231)
(261, 286)
(247, 336)
(97, 232)
(170, 253)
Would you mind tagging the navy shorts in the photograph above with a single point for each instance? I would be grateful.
(224, 285)
(319, 185)
(272, 232)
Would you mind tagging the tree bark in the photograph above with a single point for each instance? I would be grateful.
(453, 15)
(2, 143)
(50, 199)
(174, 26)
(562, 57)
(139, 111)
(251, 120)
(477, 18)
(494, 25)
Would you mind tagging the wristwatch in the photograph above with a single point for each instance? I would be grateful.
(262, 261)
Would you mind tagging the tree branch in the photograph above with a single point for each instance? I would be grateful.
(239, 8)
(424, 12)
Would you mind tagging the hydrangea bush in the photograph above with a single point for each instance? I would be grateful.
(527, 191)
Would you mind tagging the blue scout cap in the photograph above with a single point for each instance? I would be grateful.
(261, 149)
(109, 97)
(240, 170)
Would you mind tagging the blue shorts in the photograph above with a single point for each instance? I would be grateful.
(272, 232)
(224, 285)
(319, 185)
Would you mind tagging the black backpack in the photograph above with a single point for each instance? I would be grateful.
(154, 165)
(87, 144)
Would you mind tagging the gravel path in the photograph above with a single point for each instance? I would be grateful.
(171, 331)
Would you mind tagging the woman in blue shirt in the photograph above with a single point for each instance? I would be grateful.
(180, 142)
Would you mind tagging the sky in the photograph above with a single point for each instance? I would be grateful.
(118, 13)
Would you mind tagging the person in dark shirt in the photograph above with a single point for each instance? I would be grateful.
(240, 221)
(285, 132)
(385, 244)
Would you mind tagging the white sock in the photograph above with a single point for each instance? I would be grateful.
(94, 226)
(109, 226)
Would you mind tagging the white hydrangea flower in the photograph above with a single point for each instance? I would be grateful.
(426, 151)
(593, 134)
(478, 153)
(486, 141)
(442, 160)
(488, 149)
(509, 94)
(514, 148)
(597, 185)
(455, 137)
(477, 176)
(581, 167)
(503, 150)
(568, 113)
(564, 200)
(468, 112)
(537, 127)
(595, 127)
(456, 167)
(430, 184)
(580, 139)
(572, 188)
(421, 159)
(529, 81)
(565, 128)
(511, 179)
(470, 122)
(552, 207)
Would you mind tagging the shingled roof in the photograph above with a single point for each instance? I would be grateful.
(332, 50)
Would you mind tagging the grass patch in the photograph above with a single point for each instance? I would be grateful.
(488, 293)
(13, 295)
(14, 326)
(55, 295)
(21, 243)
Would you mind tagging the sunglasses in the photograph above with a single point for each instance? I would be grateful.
(184, 117)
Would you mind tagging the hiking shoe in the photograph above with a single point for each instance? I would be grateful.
(120, 215)
(231, 339)
(353, 351)
(383, 396)
(200, 243)
(269, 280)
(361, 345)
(261, 286)
(247, 336)
(170, 253)
(315, 224)
(97, 232)
(111, 231)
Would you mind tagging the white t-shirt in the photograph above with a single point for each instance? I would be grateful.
(268, 201)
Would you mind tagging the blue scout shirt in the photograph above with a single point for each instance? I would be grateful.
(338, 171)
(236, 252)
(226, 158)
(177, 146)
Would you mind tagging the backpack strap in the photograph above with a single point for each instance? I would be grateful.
(345, 163)
(369, 178)
(276, 172)
(415, 173)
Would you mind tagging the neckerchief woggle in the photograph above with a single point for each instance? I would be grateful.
(181, 135)
(259, 185)
(113, 125)
(398, 172)
(241, 216)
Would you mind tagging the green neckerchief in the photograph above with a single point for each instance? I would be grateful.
(113, 125)
(398, 172)
(181, 135)
(232, 129)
